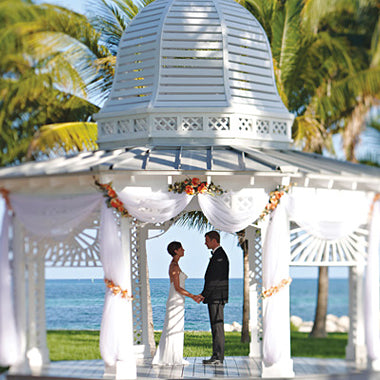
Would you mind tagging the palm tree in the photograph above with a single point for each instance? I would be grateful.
(54, 62)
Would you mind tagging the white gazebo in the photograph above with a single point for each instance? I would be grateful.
(194, 96)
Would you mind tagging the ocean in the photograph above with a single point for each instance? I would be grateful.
(78, 304)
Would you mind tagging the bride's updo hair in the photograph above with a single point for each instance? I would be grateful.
(173, 246)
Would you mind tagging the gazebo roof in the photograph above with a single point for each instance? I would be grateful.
(260, 164)
(191, 72)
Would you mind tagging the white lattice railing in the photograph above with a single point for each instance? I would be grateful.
(244, 126)
(307, 249)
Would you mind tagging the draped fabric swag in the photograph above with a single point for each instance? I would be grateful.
(276, 258)
(325, 214)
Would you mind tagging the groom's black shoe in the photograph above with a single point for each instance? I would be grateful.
(214, 361)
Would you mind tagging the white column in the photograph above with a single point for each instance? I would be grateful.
(41, 312)
(147, 329)
(356, 350)
(126, 368)
(19, 289)
(37, 352)
(255, 286)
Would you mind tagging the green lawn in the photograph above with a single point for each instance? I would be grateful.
(84, 345)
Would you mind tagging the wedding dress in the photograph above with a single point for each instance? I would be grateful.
(170, 348)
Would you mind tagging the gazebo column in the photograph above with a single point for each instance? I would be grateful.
(255, 287)
(19, 289)
(356, 350)
(143, 328)
(37, 351)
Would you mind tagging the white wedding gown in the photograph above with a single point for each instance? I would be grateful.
(170, 348)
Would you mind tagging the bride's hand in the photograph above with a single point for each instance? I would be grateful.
(197, 298)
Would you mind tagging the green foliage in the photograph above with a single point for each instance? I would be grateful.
(84, 345)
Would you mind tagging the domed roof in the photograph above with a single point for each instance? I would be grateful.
(197, 71)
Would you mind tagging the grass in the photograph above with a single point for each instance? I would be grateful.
(334, 346)
(84, 345)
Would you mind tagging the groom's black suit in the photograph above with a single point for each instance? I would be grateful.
(215, 293)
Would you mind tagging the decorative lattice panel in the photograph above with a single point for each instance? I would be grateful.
(136, 281)
(140, 125)
(245, 125)
(124, 126)
(256, 277)
(262, 127)
(219, 123)
(307, 249)
(192, 124)
(80, 248)
(279, 128)
(165, 123)
(107, 128)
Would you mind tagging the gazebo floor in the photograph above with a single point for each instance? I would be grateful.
(234, 367)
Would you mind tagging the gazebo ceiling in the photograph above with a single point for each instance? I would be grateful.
(260, 164)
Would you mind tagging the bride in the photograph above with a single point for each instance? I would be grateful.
(170, 348)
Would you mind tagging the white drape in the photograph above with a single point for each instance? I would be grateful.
(53, 216)
(230, 212)
(9, 340)
(116, 333)
(328, 214)
(371, 314)
(233, 211)
(153, 206)
(276, 258)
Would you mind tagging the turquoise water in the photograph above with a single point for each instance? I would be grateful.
(78, 304)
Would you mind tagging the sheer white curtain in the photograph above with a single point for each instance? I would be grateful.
(9, 339)
(371, 314)
(233, 211)
(55, 215)
(230, 212)
(276, 258)
(42, 217)
(116, 334)
(153, 206)
(328, 214)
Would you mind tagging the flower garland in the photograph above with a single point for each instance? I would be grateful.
(115, 289)
(274, 200)
(194, 186)
(5, 194)
(112, 199)
(275, 289)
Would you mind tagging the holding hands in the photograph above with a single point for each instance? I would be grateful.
(197, 298)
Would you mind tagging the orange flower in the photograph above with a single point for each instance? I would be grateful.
(115, 203)
(189, 190)
(195, 181)
(111, 193)
(202, 188)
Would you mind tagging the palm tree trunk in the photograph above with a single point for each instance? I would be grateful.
(243, 242)
(319, 327)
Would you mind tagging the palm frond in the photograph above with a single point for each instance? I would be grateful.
(194, 219)
(64, 136)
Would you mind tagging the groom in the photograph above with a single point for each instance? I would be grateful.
(215, 294)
